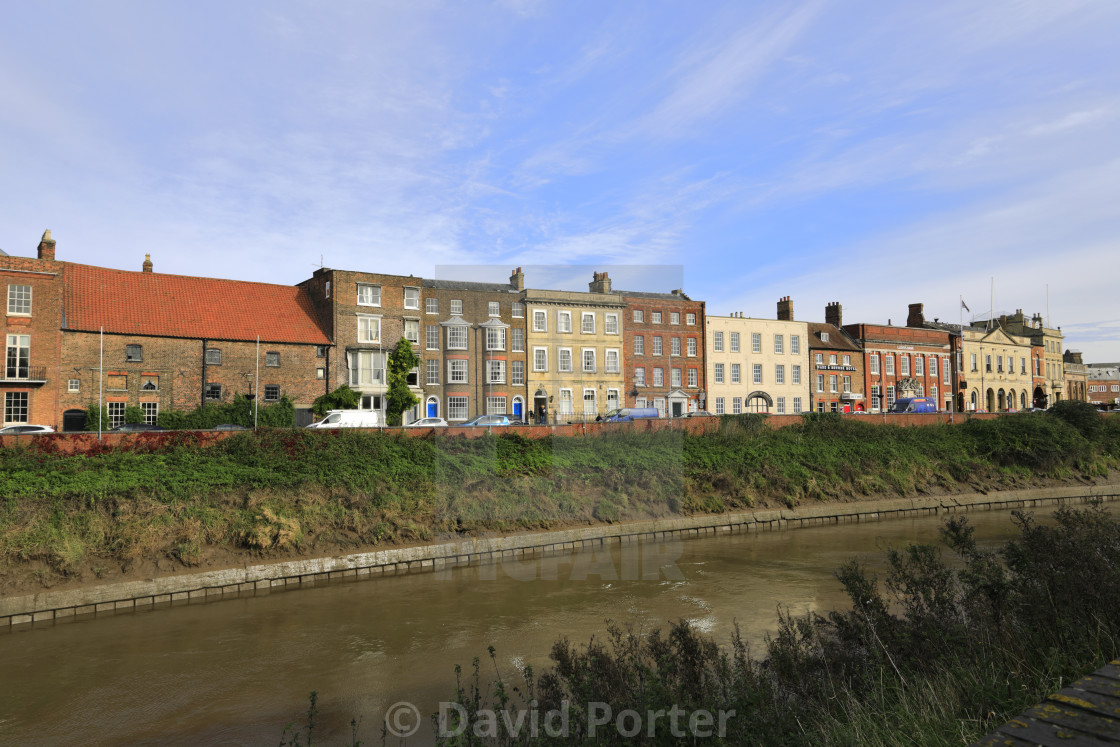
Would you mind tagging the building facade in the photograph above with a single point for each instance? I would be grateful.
(1051, 365)
(30, 384)
(910, 361)
(836, 375)
(997, 375)
(1103, 386)
(473, 349)
(664, 352)
(575, 355)
(1077, 376)
(757, 365)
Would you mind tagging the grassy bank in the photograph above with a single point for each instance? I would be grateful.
(939, 653)
(173, 503)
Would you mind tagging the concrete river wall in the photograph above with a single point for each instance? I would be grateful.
(49, 606)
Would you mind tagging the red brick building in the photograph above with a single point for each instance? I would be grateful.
(836, 375)
(663, 352)
(166, 341)
(1104, 385)
(905, 361)
(32, 288)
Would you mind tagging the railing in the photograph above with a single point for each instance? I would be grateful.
(25, 373)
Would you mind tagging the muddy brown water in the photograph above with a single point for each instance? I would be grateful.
(236, 671)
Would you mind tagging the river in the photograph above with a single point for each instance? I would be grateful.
(235, 671)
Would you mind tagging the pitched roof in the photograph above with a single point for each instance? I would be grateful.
(160, 305)
(466, 285)
(837, 338)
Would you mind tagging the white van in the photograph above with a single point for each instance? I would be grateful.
(349, 419)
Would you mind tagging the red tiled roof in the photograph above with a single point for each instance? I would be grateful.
(151, 303)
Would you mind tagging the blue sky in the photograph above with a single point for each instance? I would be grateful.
(871, 153)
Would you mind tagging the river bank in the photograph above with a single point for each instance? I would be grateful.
(647, 537)
(72, 522)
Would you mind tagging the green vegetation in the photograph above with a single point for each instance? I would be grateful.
(169, 497)
(239, 412)
(941, 653)
(399, 397)
(343, 398)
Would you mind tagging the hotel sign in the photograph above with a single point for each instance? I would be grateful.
(824, 367)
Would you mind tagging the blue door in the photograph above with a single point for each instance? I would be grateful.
(517, 409)
(433, 409)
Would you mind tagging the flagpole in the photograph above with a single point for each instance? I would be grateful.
(257, 384)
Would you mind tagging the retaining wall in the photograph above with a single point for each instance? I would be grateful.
(50, 606)
(87, 443)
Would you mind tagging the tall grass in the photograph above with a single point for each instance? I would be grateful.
(171, 497)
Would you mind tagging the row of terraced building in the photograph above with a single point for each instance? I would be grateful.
(76, 334)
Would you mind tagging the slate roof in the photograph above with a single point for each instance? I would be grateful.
(662, 296)
(838, 339)
(161, 305)
(466, 285)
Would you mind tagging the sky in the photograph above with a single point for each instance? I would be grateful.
(868, 152)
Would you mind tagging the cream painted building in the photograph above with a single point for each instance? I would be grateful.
(757, 365)
(574, 346)
(996, 372)
(1051, 367)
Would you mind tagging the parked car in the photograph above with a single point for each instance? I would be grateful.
(699, 414)
(427, 423)
(488, 420)
(229, 427)
(137, 428)
(348, 419)
(25, 430)
(516, 421)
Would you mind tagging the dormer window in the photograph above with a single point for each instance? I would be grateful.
(824, 337)
(134, 353)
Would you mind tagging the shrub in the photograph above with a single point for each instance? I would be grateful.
(1081, 415)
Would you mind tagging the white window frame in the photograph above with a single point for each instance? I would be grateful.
(658, 376)
(458, 337)
(779, 344)
(369, 328)
(564, 406)
(371, 292)
(16, 299)
(496, 339)
(639, 316)
(795, 374)
(584, 327)
(458, 370)
(495, 372)
(639, 344)
(518, 310)
(640, 376)
(563, 322)
(717, 342)
(518, 342)
(517, 373)
(456, 307)
(540, 359)
(780, 373)
(431, 305)
(736, 373)
(756, 373)
(610, 326)
(415, 298)
(756, 342)
(458, 407)
(431, 367)
(795, 344)
(590, 396)
(693, 378)
(718, 373)
(583, 357)
(493, 308)
(564, 361)
(734, 342)
(612, 360)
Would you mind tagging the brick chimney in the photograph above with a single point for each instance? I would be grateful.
(785, 309)
(915, 318)
(517, 279)
(601, 283)
(147, 263)
(834, 314)
(46, 246)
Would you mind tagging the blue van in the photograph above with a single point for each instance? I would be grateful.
(628, 414)
(914, 404)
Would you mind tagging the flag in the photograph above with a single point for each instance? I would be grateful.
(965, 306)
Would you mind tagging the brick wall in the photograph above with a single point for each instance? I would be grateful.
(174, 367)
(39, 381)
(666, 331)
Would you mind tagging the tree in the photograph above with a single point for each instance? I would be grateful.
(343, 398)
(133, 414)
(401, 361)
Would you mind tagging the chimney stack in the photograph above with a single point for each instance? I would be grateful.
(517, 279)
(785, 309)
(147, 263)
(916, 318)
(834, 314)
(46, 246)
(601, 283)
